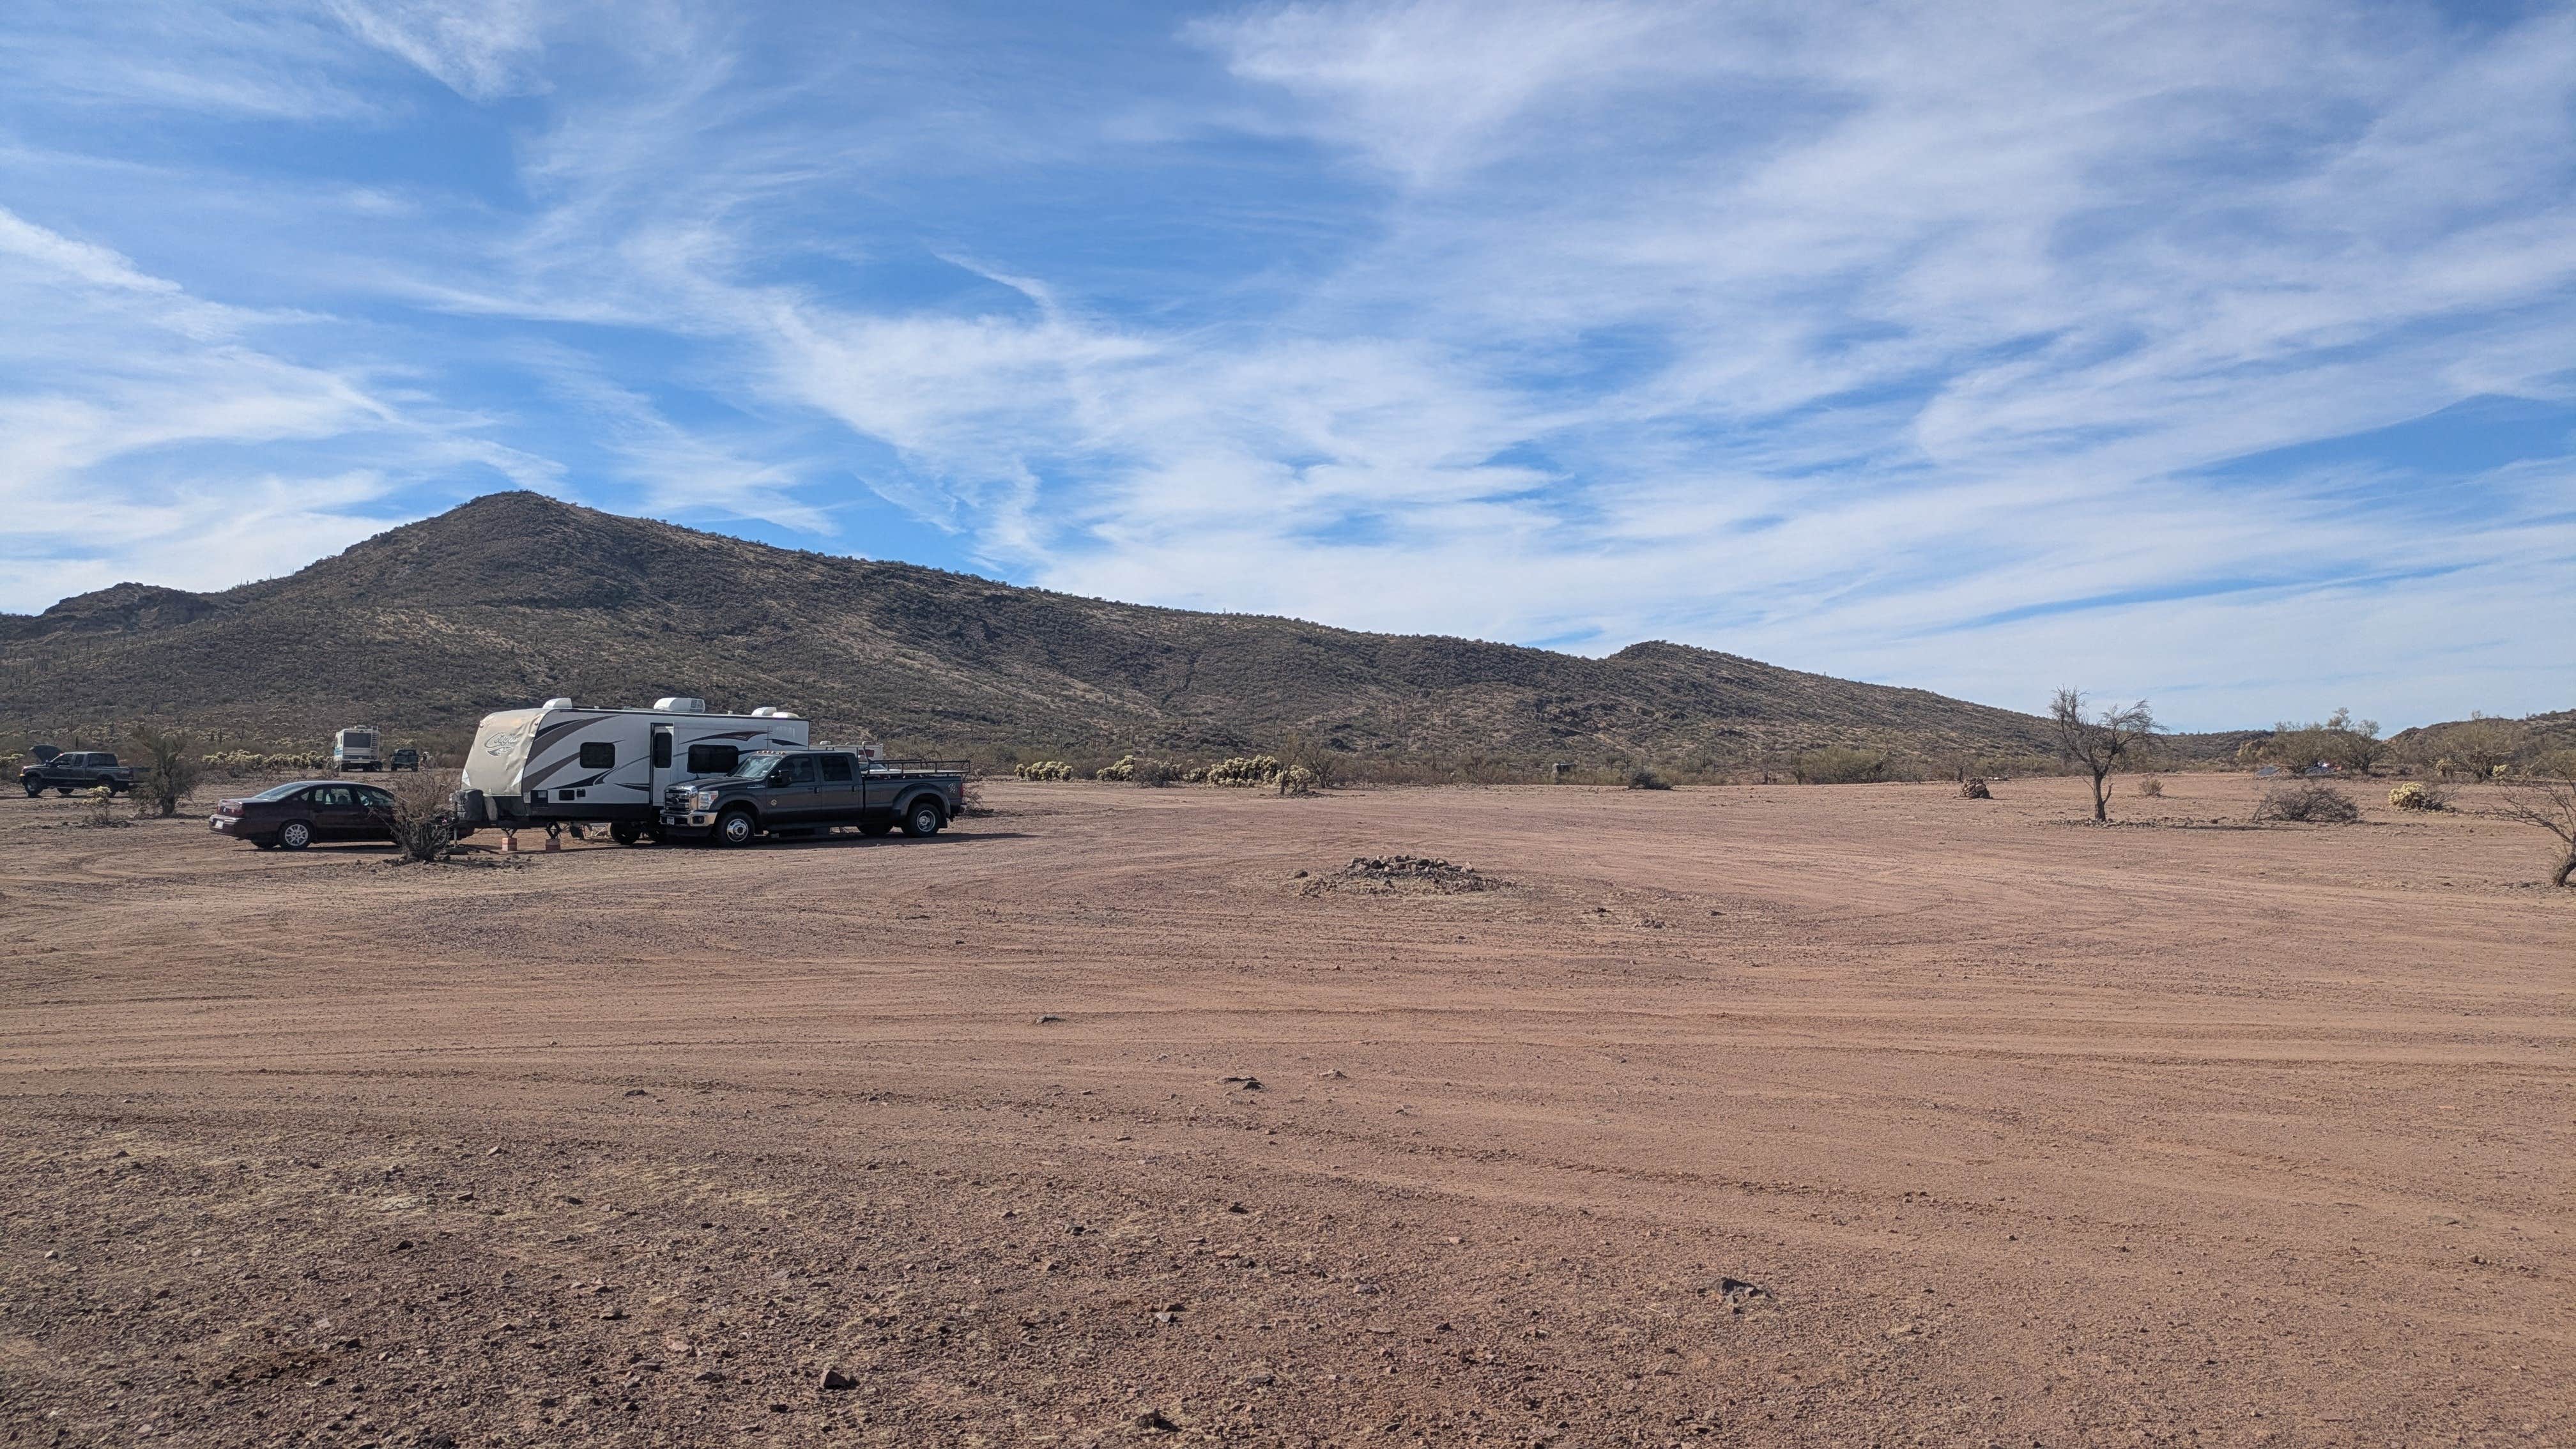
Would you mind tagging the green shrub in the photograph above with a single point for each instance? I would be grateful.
(171, 767)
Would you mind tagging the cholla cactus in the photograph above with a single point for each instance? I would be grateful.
(1299, 780)
(1122, 771)
(1243, 772)
(1043, 770)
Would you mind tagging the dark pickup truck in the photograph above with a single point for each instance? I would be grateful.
(807, 792)
(77, 770)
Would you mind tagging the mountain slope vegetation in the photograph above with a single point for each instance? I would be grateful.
(515, 597)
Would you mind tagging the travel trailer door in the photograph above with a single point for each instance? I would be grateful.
(657, 775)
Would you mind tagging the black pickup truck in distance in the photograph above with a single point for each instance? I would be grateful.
(807, 792)
(77, 770)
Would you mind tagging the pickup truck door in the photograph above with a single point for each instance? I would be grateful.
(839, 797)
(793, 794)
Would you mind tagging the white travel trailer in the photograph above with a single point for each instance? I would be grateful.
(558, 764)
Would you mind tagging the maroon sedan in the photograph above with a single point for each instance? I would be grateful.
(291, 817)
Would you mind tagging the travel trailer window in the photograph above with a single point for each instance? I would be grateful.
(714, 759)
(598, 755)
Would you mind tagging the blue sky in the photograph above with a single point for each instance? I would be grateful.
(2222, 354)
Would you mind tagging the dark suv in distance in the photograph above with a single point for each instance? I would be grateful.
(405, 759)
(293, 816)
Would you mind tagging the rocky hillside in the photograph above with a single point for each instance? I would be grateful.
(515, 597)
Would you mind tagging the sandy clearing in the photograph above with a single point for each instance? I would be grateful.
(2026, 1131)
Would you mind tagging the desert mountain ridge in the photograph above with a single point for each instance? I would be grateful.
(515, 597)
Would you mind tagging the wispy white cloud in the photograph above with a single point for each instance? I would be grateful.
(480, 49)
(1974, 349)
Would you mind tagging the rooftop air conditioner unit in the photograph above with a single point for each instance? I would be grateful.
(560, 701)
(764, 712)
(680, 704)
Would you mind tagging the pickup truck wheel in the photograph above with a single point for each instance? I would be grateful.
(735, 827)
(625, 832)
(294, 835)
(923, 819)
(34, 788)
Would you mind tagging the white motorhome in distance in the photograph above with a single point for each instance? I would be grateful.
(354, 748)
(558, 764)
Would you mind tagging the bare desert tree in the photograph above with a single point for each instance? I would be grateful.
(2102, 742)
(2551, 805)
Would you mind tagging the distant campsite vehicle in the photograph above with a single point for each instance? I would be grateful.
(405, 759)
(354, 748)
(296, 814)
(560, 764)
(68, 771)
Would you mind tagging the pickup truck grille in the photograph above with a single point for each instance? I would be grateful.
(675, 797)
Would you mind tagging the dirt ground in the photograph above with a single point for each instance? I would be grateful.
(1858, 1115)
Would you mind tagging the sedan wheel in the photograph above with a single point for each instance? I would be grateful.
(294, 835)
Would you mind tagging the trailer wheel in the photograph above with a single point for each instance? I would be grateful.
(735, 827)
(923, 819)
(294, 835)
(625, 832)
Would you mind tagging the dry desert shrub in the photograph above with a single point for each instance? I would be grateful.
(2551, 805)
(1974, 788)
(2309, 802)
(2414, 795)
(102, 813)
(1838, 765)
(423, 814)
(2153, 787)
(1645, 778)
